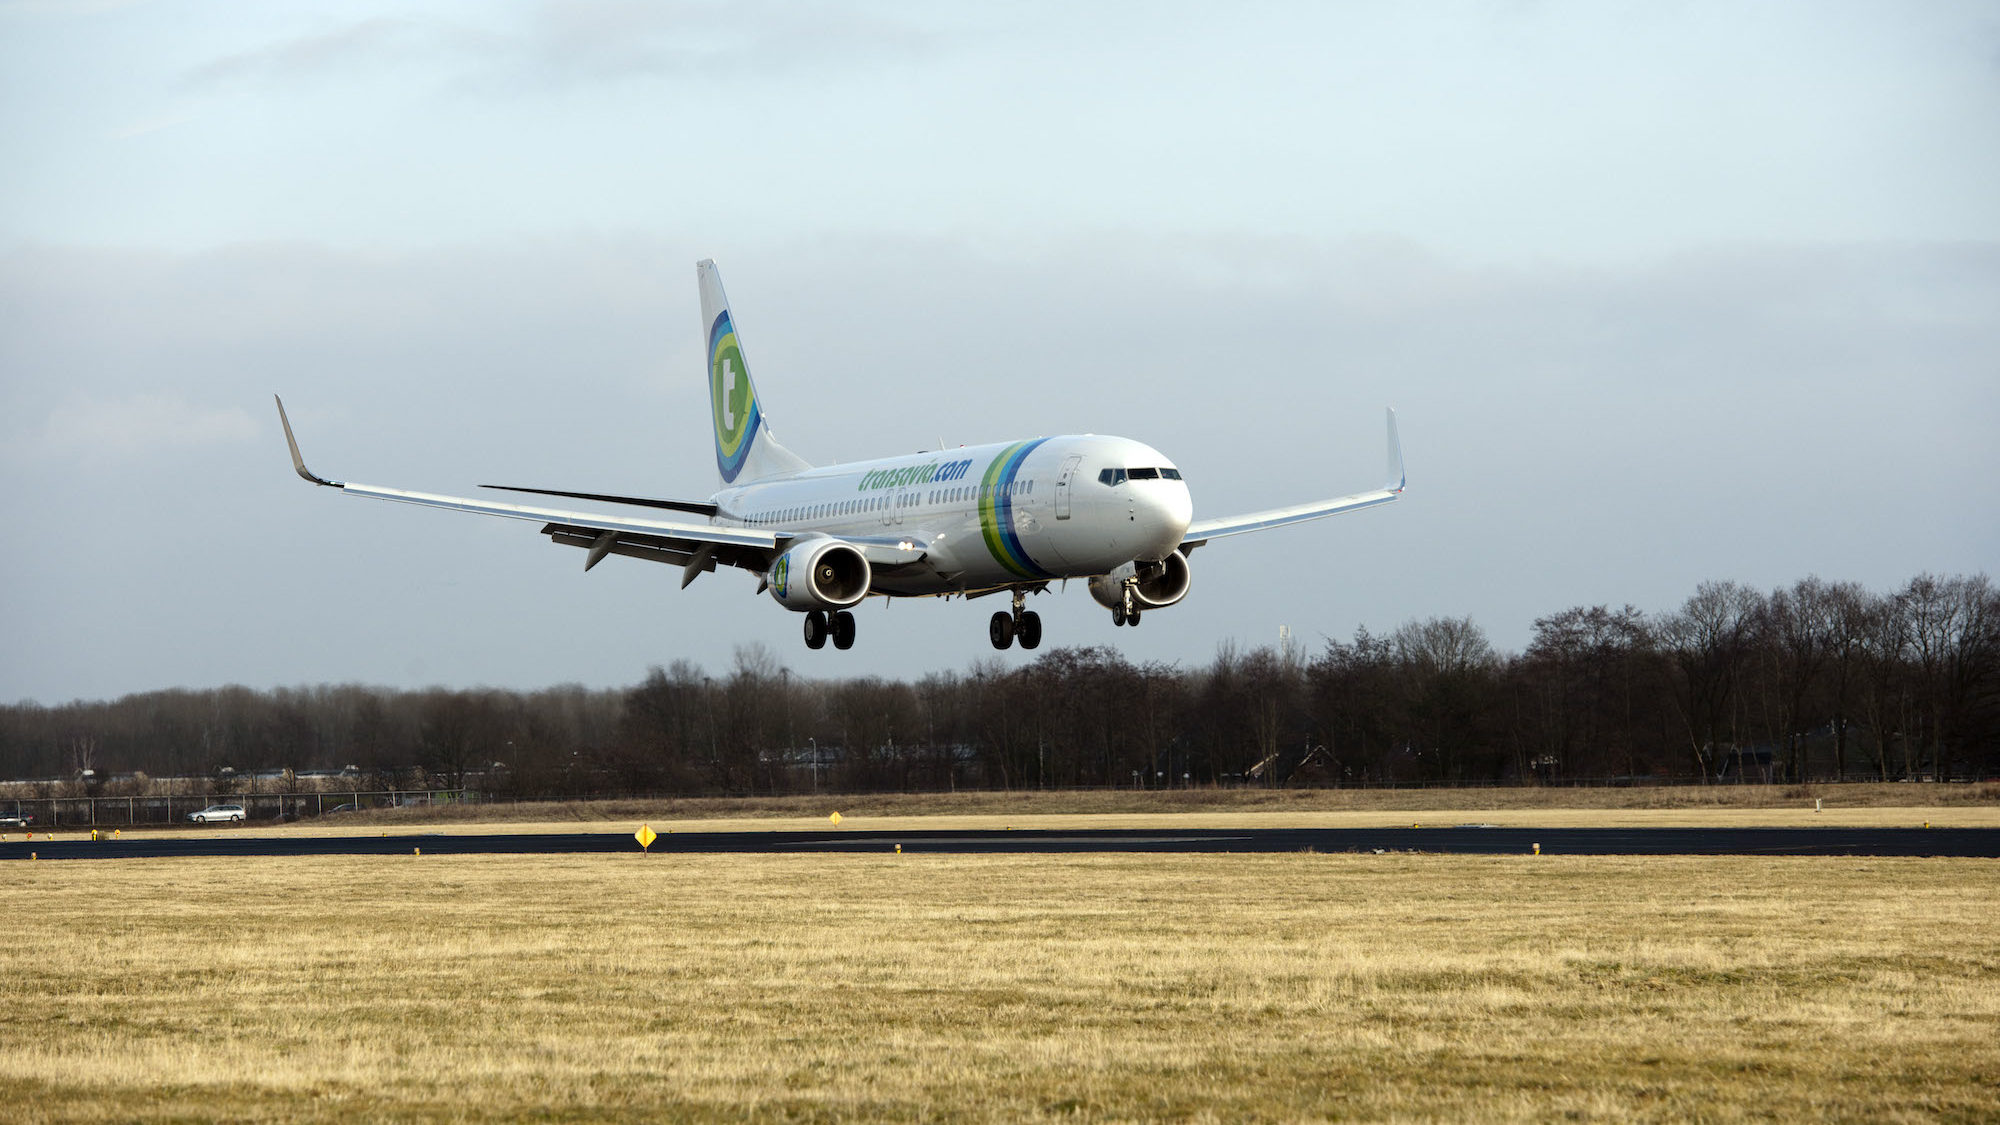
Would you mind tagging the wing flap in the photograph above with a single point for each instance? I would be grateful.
(649, 548)
(672, 551)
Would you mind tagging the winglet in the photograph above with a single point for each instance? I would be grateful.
(298, 462)
(1397, 478)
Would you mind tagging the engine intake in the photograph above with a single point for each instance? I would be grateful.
(819, 574)
(1160, 583)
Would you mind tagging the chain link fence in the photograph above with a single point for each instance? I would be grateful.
(131, 812)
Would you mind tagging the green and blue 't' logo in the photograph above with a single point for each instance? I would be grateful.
(734, 400)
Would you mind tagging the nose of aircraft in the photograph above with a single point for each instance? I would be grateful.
(1163, 510)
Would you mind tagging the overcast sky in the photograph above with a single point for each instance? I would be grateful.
(1661, 293)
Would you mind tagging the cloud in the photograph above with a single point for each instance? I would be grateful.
(63, 8)
(618, 39)
(355, 46)
(119, 429)
(584, 43)
(153, 124)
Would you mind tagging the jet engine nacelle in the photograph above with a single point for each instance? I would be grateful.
(1160, 584)
(819, 574)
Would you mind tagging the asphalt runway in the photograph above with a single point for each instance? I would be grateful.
(1456, 840)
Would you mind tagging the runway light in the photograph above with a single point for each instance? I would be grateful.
(416, 851)
(1538, 848)
(899, 849)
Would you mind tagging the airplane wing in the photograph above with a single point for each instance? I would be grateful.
(695, 547)
(1201, 531)
(698, 507)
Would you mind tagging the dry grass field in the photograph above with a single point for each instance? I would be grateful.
(1855, 805)
(1121, 802)
(1001, 988)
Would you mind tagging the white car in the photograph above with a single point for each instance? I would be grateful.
(229, 814)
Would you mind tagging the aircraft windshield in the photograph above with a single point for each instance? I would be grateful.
(1115, 477)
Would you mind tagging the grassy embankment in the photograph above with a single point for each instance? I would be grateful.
(625, 988)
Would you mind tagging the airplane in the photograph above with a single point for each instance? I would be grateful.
(1006, 518)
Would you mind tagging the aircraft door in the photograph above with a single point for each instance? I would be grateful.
(1062, 486)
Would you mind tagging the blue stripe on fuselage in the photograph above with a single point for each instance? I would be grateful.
(1003, 509)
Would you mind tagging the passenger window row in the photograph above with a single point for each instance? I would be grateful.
(820, 511)
(878, 503)
(960, 495)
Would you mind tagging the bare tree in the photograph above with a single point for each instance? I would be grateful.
(1448, 669)
(1707, 642)
(1797, 627)
(1847, 606)
(1580, 681)
(1934, 613)
(1885, 697)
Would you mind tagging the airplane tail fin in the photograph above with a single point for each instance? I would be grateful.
(744, 448)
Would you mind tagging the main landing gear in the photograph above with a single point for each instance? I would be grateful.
(820, 625)
(1024, 625)
(1126, 612)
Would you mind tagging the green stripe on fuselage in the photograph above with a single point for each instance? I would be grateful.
(989, 514)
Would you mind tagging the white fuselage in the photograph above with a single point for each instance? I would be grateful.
(986, 516)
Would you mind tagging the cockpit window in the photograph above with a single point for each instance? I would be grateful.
(1120, 476)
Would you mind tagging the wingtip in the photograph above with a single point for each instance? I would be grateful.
(1398, 478)
(299, 462)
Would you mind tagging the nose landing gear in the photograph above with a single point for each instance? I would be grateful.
(1126, 612)
(1024, 625)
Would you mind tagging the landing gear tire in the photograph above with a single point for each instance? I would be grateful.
(1028, 629)
(1001, 629)
(843, 630)
(1117, 615)
(1132, 619)
(816, 629)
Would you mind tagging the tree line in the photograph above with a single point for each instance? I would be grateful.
(1815, 680)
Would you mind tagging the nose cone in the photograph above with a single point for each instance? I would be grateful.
(1163, 511)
